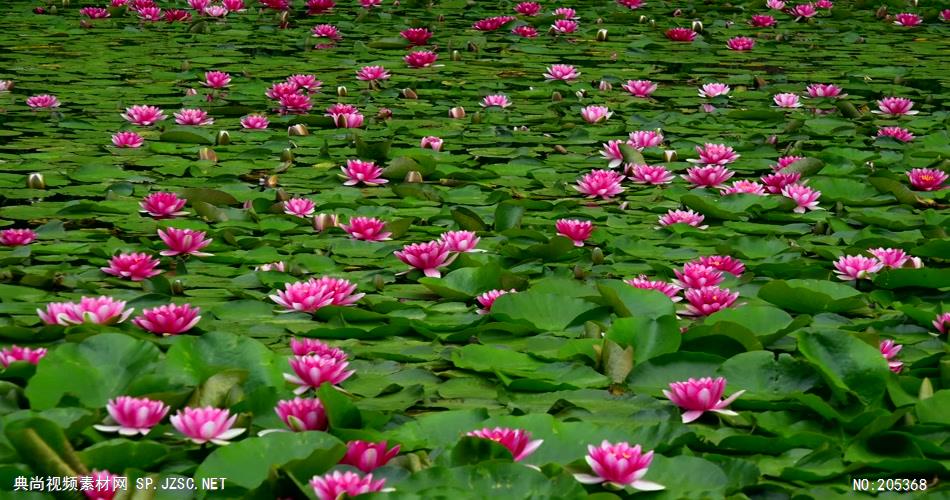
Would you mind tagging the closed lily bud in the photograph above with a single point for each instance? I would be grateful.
(223, 139)
(271, 181)
(378, 282)
(926, 390)
(84, 24)
(772, 139)
(441, 18)
(281, 196)
(677, 12)
(652, 23)
(623, 206)
(341, 91)
(602, 35)
(178, 288)
(881, 12)
(413, 176)
(556, 96)
(207, 154)
(581, 94)
(472, 47)
(287, 155)
(669, 155)
(643, 19)
(458, 112)
(53, 10)
(605, 86)
(597, 256)
(322, 222)
(579, 272)
(35, 181)
(409, 94)
(456, 55)
(384, 113)
(697, 26)
(298, 129)
(560, 149)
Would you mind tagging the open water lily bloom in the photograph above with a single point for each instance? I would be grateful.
(206, 425)
(518, 441)
(130, 416)
(697, 396)
(337, 484)
(619, 465)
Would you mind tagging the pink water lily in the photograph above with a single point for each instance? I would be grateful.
(824, 4)
(127, 139)
(460, 241)
(150, 14)
(307, 82)
(823, 90)
(631, 4)
(563, 72)
(193, 116)
(216, 79)
(431, 142)
(741, 43)
(427, 257)
(927, 179)
(775, 4)
(889, 350)
(803, 11)
(774, 183)
(273, 266)
(488, 298)
(207, 424)
(618, 465)
(416, 36)
(787, 100)
(103, 485)
(600, 183)
(357, 171)
(328, 31)
(564, 26)
(101, 310)
(528, 8)
(184, 242)
(313, 294)
(525, 31)
(421, 58)
(130, 416)
(518, 441)
(640, 88)
(42, 101)
(306, 346)
(895, 106)
(143, 115)
(17, 237)
(855, 267)
(349, 120)
(711, 90)
(723, 263)
(894, 258)
(697, 275)
(907, 19)
(762, 21)
(372, 73)
(367, 456)
(59, 313)
(897, 133)
(294, 104)
(942, 322)
(681, 34)
(94, 12)
(281, 89)
(254, 122)
(699, 396)
(804, 197)
(133, 266)
(645, 283)
(577, 230)
(15, 353)
(163, 205)
(312, 371)
(642, 139)
(366, 229)
(492, 23)
(708, 175)
(334, 485)
(613, 153)
(300, 207)
(646, 174)
(496, 100)
(596, 114)
(743, 187)
(233, 5)
(714, 154)
(169, 319)
(687, 217)
(303, 414)
(708, 299)
(565, 13)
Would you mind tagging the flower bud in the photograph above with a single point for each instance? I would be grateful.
(652, 23)
(669, 155)
(85, 24)
(322, 222)
(602, 35)
(207, 154)
(597, 256)
(472, 47)
(35, 181)
(287, 155)
(413, 176)
(456, 55)
(409, 94)
(441, 18)
(378, 282)
(298, 129)
(177, 287)
(581, 94)
(677, 12)
(281, 196)
(579, 272)
(560, 149)
(384, 113)
(697, 26)
(457, 113)
(643, 19)
(556, 96)
(772, 139)
(271, 181)
(881, 12)
(223, 139)
(341, 91)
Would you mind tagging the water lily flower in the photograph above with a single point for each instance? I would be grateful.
(683, 217)
(907, 19)
(895, 106)
(775, 4)
(372, 73)
(945, 15)
(254, 122)
(17, 237)
(169, 319)
(492, 23)
(300, 207)
(927, 179)
(294, 104)
(525, 31)
(150, 14)
(199, 5)
(281, 89)
(708, 299)
(216, 79)
(528, 8)
(334, 485)
(824, 4)
(619, 465)
(313, 294)
(357, 171)
(714, 154)
(786, 100)
(804, 197)
(942, 322)
(6, 85)
(326, 31)
(101, 310)
(133, 266)
(303, 414)
(184, 242)
(369, 4)
(744, 187)
(600, 183)
(564, 26)
(42, 101)
(596, 114)
(496, 100)
(133, 415)
(273, 266)
(762, 21)
(699, 396)
(697, 275)
(416, 36)
(460, 241)
(894, 258)
(488, 298)
(711, 175)
(305, 346)
(421, 58)
(349, 120)
(897, 133)
(646, 174)
(163, 205)
(193, 116)
(740, 43)
(889, 350)
(613, 153)
(127, 139)
(563, 72)
(724, 263)
(16, 353)
(366, 229)
(457, 113)
(312, 371)
(102, 484)
(640, 88)
(645, 283)
(367, 456)
(805, 10)
(59, 313)
(432, 142)
(630, 4)
(208, 424)
(823, 90)
(427, 257)
(855, 267)
(565, 13)
(681, 34)
(233, 5)
(518, 441)
(94, 12)
(711, 90)
(774, 183)
(577, 231)
(641, 139)
(786, 161)
(143, 115)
